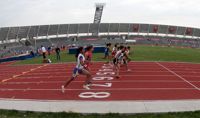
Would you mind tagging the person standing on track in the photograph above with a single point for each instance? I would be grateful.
(79, 69)
(49, 50)
(43, 52)
(107, 51)
(57, 53)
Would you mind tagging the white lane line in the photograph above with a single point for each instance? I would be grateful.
(54, 72)
(67, 76)
(124, 81)
(36, 77)
(178, 76)
(43, 72)
(62, 71)
(112, 89)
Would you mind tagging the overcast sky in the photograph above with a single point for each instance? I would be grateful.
(41, 12)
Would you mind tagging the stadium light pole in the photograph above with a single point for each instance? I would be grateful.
(97, 17)
(98, 12)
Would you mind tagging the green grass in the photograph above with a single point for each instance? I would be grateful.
(139, 53)
(65, 57)
(17, 114)
(149, 53)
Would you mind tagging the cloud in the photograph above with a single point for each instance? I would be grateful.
(34, 12)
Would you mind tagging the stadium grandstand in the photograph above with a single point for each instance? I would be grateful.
(23, 39)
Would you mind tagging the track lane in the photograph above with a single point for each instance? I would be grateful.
(122, 95)
(115, 85)
(148, 81)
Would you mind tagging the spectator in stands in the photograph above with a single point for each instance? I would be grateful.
(43, 52)
(58, 53)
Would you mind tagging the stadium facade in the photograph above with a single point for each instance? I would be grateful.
(16, 40)
(86, 29)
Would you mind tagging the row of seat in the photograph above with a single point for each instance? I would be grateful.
(7, 33)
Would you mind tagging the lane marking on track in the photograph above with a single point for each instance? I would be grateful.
(105, 89)
(54, 72)
(64, 73)
(105, 76)
(124, 81)
(136, 62)
(23, 73)
(137, 70)
(37, 77)
(178, 76)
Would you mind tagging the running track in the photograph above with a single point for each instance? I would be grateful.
(146, 81)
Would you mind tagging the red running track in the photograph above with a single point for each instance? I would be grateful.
(146, 81)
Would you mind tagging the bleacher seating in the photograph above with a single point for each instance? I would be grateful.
(65, 34)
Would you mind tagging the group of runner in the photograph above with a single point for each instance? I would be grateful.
(118, 56)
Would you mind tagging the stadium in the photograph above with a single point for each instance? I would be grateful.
(30, 37)
(162, 76)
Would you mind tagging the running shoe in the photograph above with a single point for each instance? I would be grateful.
(129, 70)
(117, 77)
(63, 89)
(86, 87)
(89, 84)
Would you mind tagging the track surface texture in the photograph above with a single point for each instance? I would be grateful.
(146, 81)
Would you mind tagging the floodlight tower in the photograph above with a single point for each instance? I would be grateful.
(97, 17)
(98, 12)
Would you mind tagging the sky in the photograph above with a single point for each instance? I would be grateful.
(44, 12)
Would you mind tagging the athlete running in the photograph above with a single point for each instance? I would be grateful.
(79, 69)
(117, 60)
(88, 56)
